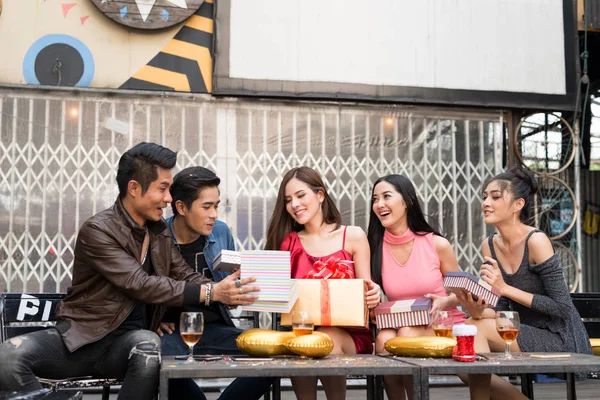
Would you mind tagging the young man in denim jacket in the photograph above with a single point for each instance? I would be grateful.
(200, 237)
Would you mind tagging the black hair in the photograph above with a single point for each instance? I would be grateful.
(415, 220)
(188, 184)
(521, 184)
(141, 163)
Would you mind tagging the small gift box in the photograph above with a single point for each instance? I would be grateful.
(271, 269)
(227, 261)
(396, 314)
(332, 302)
(476, 286)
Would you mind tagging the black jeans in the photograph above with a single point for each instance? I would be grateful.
(217, 339)
(133, 356)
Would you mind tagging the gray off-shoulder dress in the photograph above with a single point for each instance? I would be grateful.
(552, 324)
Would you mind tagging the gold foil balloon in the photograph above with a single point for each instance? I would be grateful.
(263, 342)
(421, 346)
(595, 346)
(314, 345)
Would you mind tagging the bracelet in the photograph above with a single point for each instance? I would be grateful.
(208, 294)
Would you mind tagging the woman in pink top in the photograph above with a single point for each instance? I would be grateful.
(409, 260)
(307, 223)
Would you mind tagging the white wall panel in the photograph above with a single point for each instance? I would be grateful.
(490, 45)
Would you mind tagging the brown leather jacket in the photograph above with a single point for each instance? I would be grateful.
(108, 279)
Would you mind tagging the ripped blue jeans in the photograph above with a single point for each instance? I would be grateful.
(133, 356)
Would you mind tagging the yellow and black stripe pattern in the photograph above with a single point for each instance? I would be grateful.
(185, 64)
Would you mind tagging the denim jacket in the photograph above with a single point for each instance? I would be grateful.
(220, 238)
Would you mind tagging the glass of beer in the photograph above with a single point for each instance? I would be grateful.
(442, 324)
(507, 324)
(301, 323)
(191, 327)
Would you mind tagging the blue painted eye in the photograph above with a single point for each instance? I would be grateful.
(58, 60)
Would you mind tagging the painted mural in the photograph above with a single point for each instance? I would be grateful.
(73, 43)
(148, 14)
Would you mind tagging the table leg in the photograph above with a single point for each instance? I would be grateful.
(571, 391)
(421, 384)
(371, 387)
(164, 387)
(379, 388)
(527, 385)
(277, 389)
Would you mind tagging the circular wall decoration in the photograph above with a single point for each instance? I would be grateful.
(148, 14)
(58, 60)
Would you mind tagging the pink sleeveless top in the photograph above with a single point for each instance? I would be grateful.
(301, 261)
(420, 275)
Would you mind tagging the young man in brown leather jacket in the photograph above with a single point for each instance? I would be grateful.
(126, 270)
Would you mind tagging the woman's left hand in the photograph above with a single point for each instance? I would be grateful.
(373, 293)
(490, 273)
(438, 303)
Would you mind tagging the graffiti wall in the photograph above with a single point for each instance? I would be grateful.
(129, 44)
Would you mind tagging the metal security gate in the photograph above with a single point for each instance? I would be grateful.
(59, 151)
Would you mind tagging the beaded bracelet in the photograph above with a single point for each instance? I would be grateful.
(208, 294)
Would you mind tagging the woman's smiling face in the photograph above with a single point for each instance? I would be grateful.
(301, 202)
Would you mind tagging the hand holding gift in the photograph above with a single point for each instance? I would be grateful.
(236, 291)
(490, 273)
(474, 305)
(373, 293)
(438, 303)
(476, 288)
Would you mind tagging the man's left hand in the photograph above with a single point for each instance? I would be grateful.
(165, 327)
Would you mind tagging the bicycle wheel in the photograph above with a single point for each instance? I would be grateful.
(545, 143)
(554, 207)
(569, 265)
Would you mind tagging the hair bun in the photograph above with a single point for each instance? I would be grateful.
(526, 176)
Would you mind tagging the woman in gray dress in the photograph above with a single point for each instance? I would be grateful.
(519, 261)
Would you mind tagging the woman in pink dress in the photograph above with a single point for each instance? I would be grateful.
(307, 223)
(409, 259)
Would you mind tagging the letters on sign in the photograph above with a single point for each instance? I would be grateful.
(30, 305)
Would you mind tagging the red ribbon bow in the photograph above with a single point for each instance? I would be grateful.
(333, 268)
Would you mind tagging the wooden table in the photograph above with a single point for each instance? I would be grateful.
(287, 367)
(493, 364)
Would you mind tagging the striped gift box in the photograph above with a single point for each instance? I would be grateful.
(272, 272)
(473, 284)
(396, 314)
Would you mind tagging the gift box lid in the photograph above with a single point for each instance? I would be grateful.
(403, 306)
(229, 255)
(475, 279)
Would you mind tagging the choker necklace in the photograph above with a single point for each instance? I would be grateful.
(404, 238)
